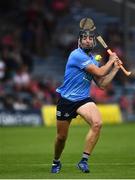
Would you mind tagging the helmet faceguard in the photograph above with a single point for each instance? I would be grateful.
(87, 33)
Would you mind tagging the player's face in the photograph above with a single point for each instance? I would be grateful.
(87, 42)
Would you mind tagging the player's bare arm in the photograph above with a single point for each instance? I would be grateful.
(102, 82)
(103, 70)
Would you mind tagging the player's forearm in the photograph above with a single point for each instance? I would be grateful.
(106, 68)
(104, 81)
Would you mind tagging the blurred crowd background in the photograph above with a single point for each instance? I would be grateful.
(36, 37)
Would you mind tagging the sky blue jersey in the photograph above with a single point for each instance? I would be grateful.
(77, 81)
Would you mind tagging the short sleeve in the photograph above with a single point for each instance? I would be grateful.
(84, 63)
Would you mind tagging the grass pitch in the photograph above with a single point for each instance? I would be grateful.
(27, 152)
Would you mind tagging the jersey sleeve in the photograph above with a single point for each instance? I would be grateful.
(83, 61)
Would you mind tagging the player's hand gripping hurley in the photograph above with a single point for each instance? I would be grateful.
(88, 23)
(100, 39)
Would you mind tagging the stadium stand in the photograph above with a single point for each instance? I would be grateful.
(33, 52)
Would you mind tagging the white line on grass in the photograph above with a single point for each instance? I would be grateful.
(96, 164)
(72, 164)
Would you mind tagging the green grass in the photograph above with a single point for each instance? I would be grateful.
(27, 152)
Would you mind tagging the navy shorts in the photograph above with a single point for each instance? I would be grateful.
(66, 109)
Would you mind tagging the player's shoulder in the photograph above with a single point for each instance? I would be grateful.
(77, 53)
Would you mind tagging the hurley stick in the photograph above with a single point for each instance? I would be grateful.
(102, 42)
(88, 23)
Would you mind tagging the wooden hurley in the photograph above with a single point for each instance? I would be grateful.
(88, 23)
(102, 42)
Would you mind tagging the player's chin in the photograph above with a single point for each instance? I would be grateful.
(88, 47)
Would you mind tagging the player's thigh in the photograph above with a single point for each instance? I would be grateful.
(90, 113)
(63, 127)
